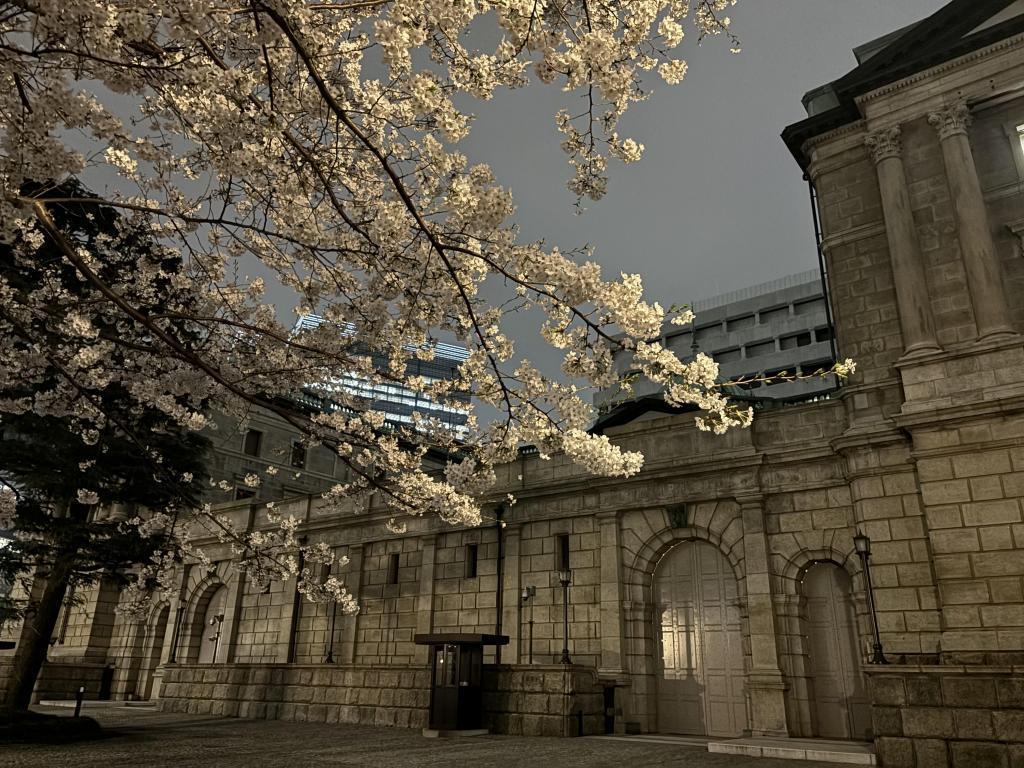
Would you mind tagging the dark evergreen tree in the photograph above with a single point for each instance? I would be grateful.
(76, 441)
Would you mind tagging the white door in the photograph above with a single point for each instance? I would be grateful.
(213, 619)
(841, 709)
(700, 680)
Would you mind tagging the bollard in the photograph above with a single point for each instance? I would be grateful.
(79, 695)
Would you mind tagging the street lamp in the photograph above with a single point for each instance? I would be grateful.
(329, 658)
(527, 596)
(565, 578)
(862, 544)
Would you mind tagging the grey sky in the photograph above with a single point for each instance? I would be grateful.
(717, 203)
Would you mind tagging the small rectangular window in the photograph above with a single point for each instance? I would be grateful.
(761, 348)
(393, 568)
(769, 316)
(795, 340)
(823, 334)
(244, 493)
(739, 323)
(471, 557)
(251, 443)
(298, 458)
(808, 306)
(727, 355)
(562, 552)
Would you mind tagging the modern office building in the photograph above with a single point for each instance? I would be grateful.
(400, 402)
(782, 326)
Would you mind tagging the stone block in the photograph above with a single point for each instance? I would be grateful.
(927, 721)
(894, 752)
(923, 691)
(931, 753)
(969, 692)
(973, 723)
(889, 691)
(886, 721)
(978, 754)
(1009, 726)
(1010, 692)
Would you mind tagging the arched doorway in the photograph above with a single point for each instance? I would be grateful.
(699, 643)
(206, 635)
(839, 700)
(156, 631)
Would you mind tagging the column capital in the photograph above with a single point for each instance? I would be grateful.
(884, 143)
(950, 120)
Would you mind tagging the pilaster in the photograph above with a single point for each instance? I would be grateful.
(765, 682)
(354, 583)
(511, 605)
(425, 598)
(613, 663)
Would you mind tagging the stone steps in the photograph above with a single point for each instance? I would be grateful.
(823, 750)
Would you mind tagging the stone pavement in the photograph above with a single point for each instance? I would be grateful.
(145, 738)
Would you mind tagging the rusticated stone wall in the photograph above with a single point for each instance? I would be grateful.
(526, 700)
(543, 700)
(948, 716)
(366, 695)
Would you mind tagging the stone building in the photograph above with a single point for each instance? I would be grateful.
(718, 592)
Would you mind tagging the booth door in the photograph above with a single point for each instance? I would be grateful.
(841, 709)
(444, 706)
(700, 644)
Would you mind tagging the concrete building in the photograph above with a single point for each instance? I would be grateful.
(718, 592)
(780, 326)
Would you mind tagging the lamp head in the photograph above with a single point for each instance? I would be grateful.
(565, 576)
(862, 544)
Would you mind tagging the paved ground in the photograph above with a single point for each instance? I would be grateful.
(150, 739)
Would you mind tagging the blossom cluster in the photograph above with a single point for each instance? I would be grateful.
(264, 144)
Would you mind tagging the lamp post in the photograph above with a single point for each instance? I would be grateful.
(862, 544)
(565, 578)
(329, 658)
(527, 596)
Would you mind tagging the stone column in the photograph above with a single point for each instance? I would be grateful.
(425, 598)
(511, 604)
(766, 684)
(350, 626)
(170, 650)
(612, 658)
(904, 252)
(981, 263)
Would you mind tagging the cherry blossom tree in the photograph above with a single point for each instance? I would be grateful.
(315, 143)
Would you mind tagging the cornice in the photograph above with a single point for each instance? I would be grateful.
(938, 69)
(854, 235)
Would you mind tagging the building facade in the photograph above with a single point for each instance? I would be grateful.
(754, 334)
(718, 592)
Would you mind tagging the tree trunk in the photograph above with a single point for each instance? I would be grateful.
(36, 632)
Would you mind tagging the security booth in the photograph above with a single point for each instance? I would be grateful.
(456, 691)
